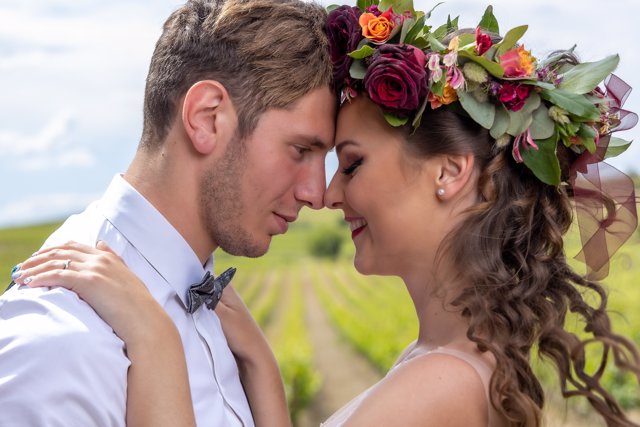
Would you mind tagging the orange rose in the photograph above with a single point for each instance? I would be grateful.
(517, 62)
(449, 95)
(378, 28)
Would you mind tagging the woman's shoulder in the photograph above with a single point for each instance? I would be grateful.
(436, 386)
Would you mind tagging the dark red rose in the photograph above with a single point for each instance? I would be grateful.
(396, 79)
(344, 34)
(513, 95)
(483, 42)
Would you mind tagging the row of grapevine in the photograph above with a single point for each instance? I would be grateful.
(379, 321)
(293, 349)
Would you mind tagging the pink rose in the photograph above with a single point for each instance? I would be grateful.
(513, 95)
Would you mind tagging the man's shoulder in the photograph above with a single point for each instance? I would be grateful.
(44, 316)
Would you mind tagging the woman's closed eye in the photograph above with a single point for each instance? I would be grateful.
(352, 167)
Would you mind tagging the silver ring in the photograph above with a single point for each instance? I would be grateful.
(65, 264)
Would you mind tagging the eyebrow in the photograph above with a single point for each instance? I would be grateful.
(340, 145)
(316, 142)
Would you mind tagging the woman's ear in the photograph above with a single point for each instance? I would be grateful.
(208, 116)
(454, 173)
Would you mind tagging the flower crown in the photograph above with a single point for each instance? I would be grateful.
(385, 49)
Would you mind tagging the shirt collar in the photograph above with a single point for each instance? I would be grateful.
(153, 236)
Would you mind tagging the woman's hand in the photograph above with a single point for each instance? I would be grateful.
(101, 278)
(257, 365)
(158, 391)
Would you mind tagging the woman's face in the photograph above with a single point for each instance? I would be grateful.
(387, 197)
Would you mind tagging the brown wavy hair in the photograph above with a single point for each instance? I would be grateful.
(511, 244)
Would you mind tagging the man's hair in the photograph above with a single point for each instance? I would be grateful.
(267, 54)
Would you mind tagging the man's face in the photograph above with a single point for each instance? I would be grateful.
(261, 183)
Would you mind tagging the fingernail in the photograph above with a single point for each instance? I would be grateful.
(15, 272)
(27, 280)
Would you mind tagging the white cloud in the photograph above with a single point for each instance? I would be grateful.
(39, 208)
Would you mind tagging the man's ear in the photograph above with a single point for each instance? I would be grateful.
(208, 116)
(454, 172)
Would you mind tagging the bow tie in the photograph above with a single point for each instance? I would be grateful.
(209, 290)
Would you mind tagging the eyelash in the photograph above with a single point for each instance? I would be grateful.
(352, 167)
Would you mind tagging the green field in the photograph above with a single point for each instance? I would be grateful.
(372, 316)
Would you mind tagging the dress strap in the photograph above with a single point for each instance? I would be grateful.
(481, 367)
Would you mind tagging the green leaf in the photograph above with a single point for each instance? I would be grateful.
(467, 40)
(492, 68)
(332, 7)
(364, 4)
(363, 52)
(406, 26)
(418, 117)
(357, 70)
(489, 21)
(578, 105)
(440, 32)
(420, 42)
(500, 123)
(587, 136)
(519, 121)
(543, 162)
(616, 147)
(399, 6)
(395, 121)
(428, 14)
(542, 126)
(482, 112)
(415, 30)
(452, 25)
(511, 38)
(583, 78)
(435, 44)
(437, 88)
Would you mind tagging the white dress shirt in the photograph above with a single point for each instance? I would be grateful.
(61, 365)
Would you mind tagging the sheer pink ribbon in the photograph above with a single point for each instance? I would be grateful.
(604, 197)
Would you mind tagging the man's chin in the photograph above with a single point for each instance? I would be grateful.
(248, 249)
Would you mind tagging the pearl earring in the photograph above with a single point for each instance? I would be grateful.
(440, 192)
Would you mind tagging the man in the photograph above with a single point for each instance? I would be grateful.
(238, 118)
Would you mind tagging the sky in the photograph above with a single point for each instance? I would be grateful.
(72, 76)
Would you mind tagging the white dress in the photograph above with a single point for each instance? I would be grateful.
(482, 368)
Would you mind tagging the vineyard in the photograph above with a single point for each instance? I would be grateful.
(336, 332)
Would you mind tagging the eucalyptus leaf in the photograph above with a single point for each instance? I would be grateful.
(500, 122)
(511, 38)
(575, 104)
(332, 7)
(492, 68)
(583, 78)
(364, 52)
(357, 70)
(542, 126)
(482, 112)
(543, 162)
(616, 147)
(394, 120)
(519, 121)
(489, 22)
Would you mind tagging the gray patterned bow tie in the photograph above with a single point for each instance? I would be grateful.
(209, 290)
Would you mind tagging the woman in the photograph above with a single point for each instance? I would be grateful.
(458, 156)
